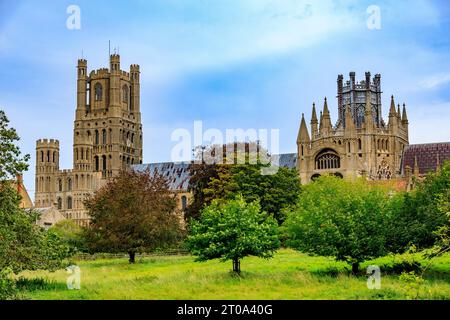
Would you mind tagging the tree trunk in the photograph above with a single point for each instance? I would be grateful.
(355, 268)
(237, 266)
(132, 255)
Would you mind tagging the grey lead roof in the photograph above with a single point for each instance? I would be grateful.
(177, 173)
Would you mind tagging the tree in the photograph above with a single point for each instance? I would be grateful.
(70, 233)
(11, 162)
(275, 192)
(339, 218)
(420, 217)
(233, 230)
(134, 212)
(23, 244)
(224, 181)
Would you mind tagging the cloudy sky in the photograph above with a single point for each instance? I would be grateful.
(229, 63)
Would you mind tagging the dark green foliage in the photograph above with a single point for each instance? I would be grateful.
(24, 245)
(421, 217)
(11, 162)
(274, 192)
(135, 212)
(233, 230)
(338, 218)
(71, 234)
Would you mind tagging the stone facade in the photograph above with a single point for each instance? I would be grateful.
(360, 143)
(107, 137)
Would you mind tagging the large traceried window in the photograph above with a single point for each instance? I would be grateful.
(327, 159)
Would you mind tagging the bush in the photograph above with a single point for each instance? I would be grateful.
(8, 288)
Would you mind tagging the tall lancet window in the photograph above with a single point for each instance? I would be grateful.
(98, 92)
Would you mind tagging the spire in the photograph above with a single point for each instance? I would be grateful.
(303, 135)
(398, 111)
(314, 115)
(326, 112)
(416, 170)
(326, 121)
(393, 117)
(392, 108)
(404, 117)
(313, 121)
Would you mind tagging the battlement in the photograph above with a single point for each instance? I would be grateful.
(115, 57)
(134, 68)
(82, 63)
(99, 72)
(367, 83)
(46, 143)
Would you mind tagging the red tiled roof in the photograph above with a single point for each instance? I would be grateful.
(426, 155)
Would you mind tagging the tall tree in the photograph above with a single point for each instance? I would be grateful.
(23, 244)
(339, 218)
(418, 214)
(134, 212)
(11, 162)
(233, 230)
(243, 175)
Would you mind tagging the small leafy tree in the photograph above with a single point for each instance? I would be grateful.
(233, 230)
(134, 212)
(343, 219)
(70, 233)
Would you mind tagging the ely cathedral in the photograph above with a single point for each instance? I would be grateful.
(107, 137)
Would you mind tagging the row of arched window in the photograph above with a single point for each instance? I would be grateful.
(103, 165)
(104, 137)
(82, 154)
(48, 156)
(382, 144)
(69, 203)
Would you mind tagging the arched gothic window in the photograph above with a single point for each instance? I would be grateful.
(360, 115)
(327, 159)
(60, 186)
(125, 94)
(59, 203)
(69, 184)
(98, 92)
(69, 202)
(96, 137)
(103, 136)
(183, 203)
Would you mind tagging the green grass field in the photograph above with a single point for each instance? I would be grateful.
(289, 275)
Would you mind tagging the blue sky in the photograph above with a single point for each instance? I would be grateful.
(230, 63)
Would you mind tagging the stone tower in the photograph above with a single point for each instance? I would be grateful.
(107, 137)
(47, 167)
(360, 143)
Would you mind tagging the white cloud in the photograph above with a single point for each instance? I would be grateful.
(435, 81)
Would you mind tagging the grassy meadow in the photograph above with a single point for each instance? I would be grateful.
(289, 275)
